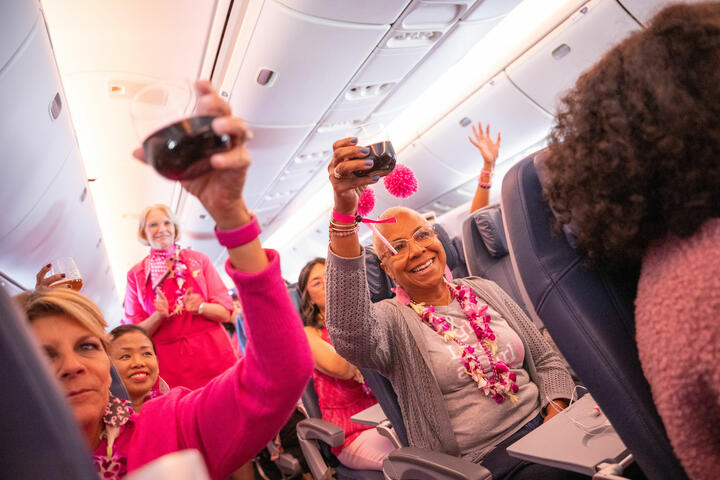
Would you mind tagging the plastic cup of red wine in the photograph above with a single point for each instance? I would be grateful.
(176, 143)
(383, 156)
(375, 137)
(182, 150)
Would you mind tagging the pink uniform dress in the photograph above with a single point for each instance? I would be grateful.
(191, 349)
(341, 399)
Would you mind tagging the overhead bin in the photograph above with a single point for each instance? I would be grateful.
(368, 11)
(284, 78)
(62, 224)
(17, 18)
(429, 14)
(553, 65)
(37, 133)
(433, 177)
(505, 108)
(644, 10)
(270, 149)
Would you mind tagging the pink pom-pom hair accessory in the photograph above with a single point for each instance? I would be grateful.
(401, 182)
(366, 202)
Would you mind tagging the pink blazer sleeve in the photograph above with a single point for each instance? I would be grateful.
(134, 311)
(237, 413)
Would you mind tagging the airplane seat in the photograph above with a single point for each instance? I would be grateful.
(486, 250)
(38, 434)
(589, 314)
(294, 295)
(117, 387)
(317, 436)
(455, 255)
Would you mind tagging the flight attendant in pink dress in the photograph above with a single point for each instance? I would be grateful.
(178, 297)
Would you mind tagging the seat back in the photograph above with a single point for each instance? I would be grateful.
(589, 315)
(486, 250)
(387, 398)
(38, 434)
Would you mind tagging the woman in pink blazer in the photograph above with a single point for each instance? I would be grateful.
(178, 297)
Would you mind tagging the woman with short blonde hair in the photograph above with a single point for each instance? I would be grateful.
(178, 297)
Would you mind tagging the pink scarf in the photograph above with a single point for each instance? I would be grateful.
(158, 265)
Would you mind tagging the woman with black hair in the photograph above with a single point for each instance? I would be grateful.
(339, 384)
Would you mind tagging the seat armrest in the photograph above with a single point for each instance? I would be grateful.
(419, 464)
(318, 429)
(385, 429)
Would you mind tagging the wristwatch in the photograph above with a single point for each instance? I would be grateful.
(200, 309)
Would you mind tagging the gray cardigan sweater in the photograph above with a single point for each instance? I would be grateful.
(386, 336)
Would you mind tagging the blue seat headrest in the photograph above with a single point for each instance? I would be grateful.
(489, 224)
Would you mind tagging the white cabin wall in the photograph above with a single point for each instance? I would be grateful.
(49, 209)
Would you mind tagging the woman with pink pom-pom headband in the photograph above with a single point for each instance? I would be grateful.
(457, 352)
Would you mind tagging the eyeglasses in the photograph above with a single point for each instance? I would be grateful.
(422, 237)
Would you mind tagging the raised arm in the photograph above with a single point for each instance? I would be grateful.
(327, 360)
(237, 413)
(489, 151)
(358, 332)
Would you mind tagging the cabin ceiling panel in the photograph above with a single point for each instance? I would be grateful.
(34, 145)
(297, 49)
(17, 18)
(270, 149)
(489, 9)
(499, 104)
(570, 49)
(368, 11)
(450, 49)
(644, 10)
(166, 39)
(62, 224)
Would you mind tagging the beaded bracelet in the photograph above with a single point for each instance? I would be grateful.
(486, 186)
(343, 233)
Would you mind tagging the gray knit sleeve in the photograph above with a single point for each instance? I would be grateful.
(553, 379)
(360, 330)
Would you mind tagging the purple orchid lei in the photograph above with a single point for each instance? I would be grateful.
(498, 383)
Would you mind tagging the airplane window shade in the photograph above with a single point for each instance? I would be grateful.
(578, 42)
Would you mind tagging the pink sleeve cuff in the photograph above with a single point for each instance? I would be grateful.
(249, 282)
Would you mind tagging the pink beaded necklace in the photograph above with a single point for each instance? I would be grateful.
(499, 382)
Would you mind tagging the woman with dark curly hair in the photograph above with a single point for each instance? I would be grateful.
(633, 170)
(338, 383)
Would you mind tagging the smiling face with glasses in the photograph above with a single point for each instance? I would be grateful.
(419, 263)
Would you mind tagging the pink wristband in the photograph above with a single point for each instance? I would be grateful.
(239, 236)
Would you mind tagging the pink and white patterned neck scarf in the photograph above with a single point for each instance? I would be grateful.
(158, 264)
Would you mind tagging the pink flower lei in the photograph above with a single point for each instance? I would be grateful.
(498, 383)
(178, 271)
